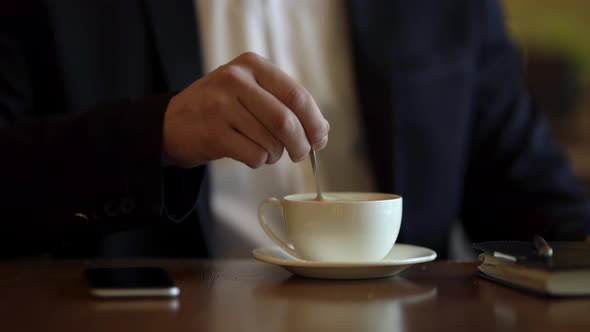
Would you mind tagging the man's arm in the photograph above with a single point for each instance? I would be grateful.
(110, 157)
(100, 164)
(518, 183)
(94, 165)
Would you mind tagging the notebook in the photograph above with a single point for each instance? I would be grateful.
(562, 270)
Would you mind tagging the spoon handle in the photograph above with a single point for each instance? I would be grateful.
(316, 174)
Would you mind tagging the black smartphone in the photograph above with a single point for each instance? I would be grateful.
(130, 282)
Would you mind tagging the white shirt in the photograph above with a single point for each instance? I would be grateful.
(309, 40)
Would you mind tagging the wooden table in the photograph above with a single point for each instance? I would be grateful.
(246, 295)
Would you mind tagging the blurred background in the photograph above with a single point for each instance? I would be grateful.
(554, 39)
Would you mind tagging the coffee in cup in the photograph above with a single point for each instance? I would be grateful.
(343, 227)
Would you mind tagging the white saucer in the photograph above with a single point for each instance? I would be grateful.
(399, 258)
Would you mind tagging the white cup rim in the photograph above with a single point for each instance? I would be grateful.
(308, 197)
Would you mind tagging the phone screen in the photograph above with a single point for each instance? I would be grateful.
(130, 282)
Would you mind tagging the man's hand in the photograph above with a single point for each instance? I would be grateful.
(247, 110)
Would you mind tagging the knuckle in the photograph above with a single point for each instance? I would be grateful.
(283, 125)
(230, 74)
(235, 78)
(296, 98)
(215, 102)
(249, 58)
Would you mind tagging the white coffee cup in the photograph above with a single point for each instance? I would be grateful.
(344, 227)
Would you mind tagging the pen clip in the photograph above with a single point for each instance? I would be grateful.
(504, 256)
(543, 248)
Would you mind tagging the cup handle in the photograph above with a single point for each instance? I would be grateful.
(268, 231)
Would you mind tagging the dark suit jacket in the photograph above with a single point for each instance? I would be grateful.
(84, 86)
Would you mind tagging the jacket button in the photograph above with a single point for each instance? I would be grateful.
(127, 205)
(110, 210)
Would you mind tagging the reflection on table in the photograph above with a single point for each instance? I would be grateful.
(246, 295)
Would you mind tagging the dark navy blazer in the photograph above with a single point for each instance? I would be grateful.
(84, 85)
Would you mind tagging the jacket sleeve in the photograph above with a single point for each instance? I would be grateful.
(95, 170)
(518, 183)
(99, 164)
